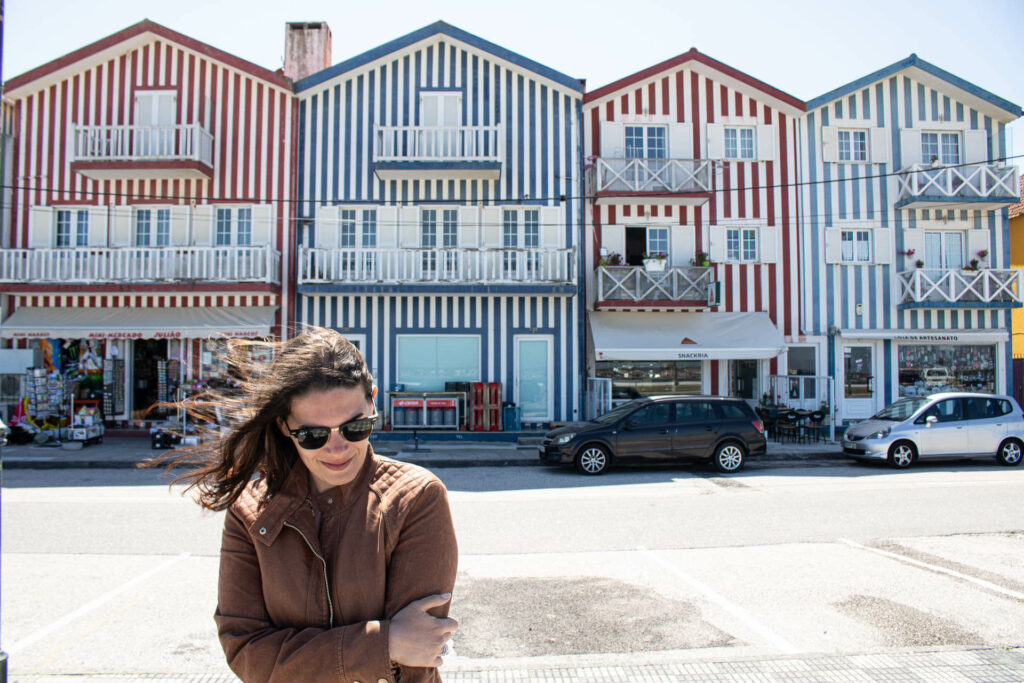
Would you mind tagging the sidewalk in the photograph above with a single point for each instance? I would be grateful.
(132, 452)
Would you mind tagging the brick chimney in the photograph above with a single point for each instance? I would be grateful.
(307, 48)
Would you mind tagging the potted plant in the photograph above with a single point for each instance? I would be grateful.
(613, 258)
(654, 262)
(973, 265)
(702, 258)
(919, 263)
(982, 255)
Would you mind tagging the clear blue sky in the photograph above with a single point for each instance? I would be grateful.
(804, 47)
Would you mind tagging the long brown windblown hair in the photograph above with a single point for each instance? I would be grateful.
(251, 443)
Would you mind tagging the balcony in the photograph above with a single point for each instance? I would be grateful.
(438, 266)
(985, 288)
(975, 186)
(138, 152)
(669, 181)
(89, 265)
(619, 286)
(417, 152)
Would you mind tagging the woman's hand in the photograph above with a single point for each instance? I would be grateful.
(415, 638)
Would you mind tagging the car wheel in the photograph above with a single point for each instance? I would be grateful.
(901, 454)
(728, 457)
(592, 459)
(1009, 452)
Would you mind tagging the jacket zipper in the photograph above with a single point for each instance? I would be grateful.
(327, 583)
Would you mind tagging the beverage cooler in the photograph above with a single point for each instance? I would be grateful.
(425, 410)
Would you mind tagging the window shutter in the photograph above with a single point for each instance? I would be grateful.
(829, 143)
(202, 225)
(551, 227)
(121, 226)
(681, 237)
(975, 146)
(387, 227)
(98, 226)
(978, 240)
(833, 246)
(680, 140)
(716, 248)
(326, 227)
(490, 222)
(41, 227)
(716, 141)
(769, 244)
(179, 224)
(879, 146)
(409, 227)
(262, 224)
(914, 239)
(882, 244)
(910, 147)
(613, 140)
(469, 230)
(766, 143)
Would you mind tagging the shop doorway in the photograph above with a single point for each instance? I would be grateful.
(858, 381)
(149, 377)
(744, 382)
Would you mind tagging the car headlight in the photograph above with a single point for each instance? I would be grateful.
(565, 438)
(880, 434)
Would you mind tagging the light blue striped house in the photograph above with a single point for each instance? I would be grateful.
(907, 286)
(439, 217)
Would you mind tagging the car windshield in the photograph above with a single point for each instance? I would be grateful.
(616, 413)
(901, 409)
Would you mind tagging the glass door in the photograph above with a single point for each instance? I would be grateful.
(533, 385)
(858, 382)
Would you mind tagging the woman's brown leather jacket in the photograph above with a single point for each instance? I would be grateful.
(291, 610)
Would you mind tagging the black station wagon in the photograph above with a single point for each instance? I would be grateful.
(658, 429)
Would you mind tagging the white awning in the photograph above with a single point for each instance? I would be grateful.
(684, 336)
(957, 336)
(138, 323)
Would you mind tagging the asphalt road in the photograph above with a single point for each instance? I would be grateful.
(109, 572)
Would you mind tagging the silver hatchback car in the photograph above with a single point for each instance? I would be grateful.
(945, 425)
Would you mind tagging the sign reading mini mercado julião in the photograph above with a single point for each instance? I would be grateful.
(133, 334)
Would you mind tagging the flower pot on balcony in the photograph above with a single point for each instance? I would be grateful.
(654, 265)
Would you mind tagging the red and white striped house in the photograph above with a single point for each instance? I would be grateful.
(691, 236)
(151, 215)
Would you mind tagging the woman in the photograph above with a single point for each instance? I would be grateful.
(336, 564)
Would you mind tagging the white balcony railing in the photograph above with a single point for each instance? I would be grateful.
(190, 142)
(970, 182)
(89, 265)
(653, 175)
(633, 283)
(452, 266)
(971, 286)
(436, 143)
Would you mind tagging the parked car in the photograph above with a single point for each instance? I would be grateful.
(717, 429)
(944, 425)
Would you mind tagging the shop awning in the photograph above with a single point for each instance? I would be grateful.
(684, 336)
(957, 336)
(138, 323)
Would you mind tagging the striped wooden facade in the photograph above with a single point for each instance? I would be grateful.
(694, 96)
(864, 301)
(533, 113)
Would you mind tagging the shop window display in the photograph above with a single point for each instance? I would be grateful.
(633, 379)
(926, 370)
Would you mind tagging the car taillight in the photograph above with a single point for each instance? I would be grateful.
(759, 426)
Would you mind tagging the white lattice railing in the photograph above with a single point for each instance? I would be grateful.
(91, 265)
(188, 142)
(633, 283)
(979, 286)
(437, 265)
(437, 143)
(994, 181)
(653, 175)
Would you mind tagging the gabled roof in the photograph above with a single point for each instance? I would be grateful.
(438, 27)
(694, 55)
(113, 41)
(934, 77)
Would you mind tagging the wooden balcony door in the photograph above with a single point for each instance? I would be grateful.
(155, 117)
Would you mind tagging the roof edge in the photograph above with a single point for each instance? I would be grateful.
(438, 27)
(144, 26)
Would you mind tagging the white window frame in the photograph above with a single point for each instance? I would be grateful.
(158, 217)
(77, 230)
(657, 240)
(940, 156)
(647, 149)
(237, 220)
(944, 251)
(738, 143)
(523, 234)
(852, 236)
(549, 340)
(742, 244)
(849, 151)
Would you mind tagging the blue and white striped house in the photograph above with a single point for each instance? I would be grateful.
(439, 179)
(905, 245)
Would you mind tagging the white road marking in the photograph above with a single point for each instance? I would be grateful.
(729, 606)
(988, 585)
(91, 605)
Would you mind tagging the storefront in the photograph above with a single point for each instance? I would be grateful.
(129, 360)
(647, 353)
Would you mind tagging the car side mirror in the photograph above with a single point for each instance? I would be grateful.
(930, 420)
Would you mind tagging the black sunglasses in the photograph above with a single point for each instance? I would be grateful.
(312, 438)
